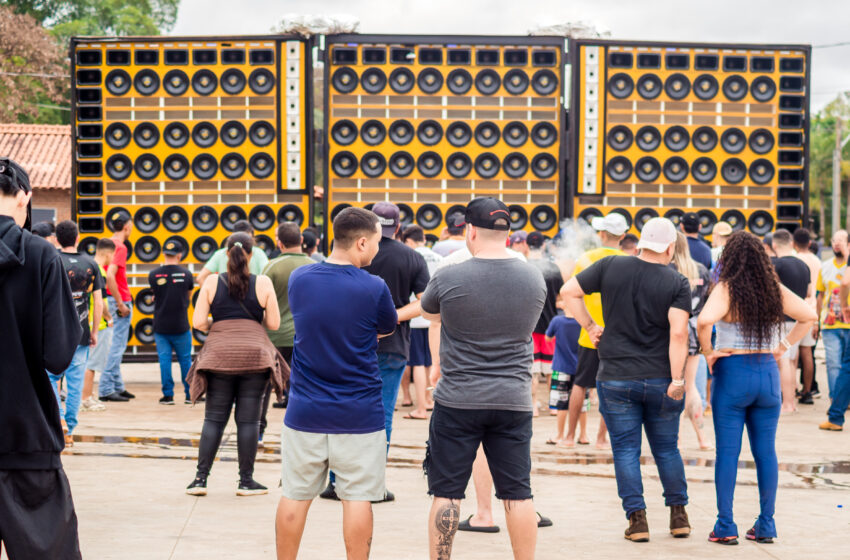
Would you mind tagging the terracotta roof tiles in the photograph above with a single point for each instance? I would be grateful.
(43, 150)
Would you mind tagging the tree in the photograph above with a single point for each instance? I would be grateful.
(821, 145)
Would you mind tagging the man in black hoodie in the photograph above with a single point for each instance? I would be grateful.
(40, 330)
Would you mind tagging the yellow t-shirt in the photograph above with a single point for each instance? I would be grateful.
(593, 301)
(829, 279)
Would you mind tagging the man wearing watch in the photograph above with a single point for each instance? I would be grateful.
(642, 353)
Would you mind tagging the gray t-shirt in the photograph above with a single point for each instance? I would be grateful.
(488, 309)
(448, 246)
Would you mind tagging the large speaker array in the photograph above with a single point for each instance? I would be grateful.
(668, 129)
(431, 122)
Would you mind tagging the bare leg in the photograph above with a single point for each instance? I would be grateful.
(357, 529)
(442, 526)
(405, 387)
(786, 375)
(420, 382)
(601, 440)
(522, 527)
(575, 408)
(534, 384)
(693, 401)
(289, 526)
(582, 422)
(88, 382)
(807, 358)
(560, 423)
(483, 481)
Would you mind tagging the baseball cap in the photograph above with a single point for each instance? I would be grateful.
(172, 249)
(614, 223)
(535, 240)
(388, 217)
(657, 235)
(722, 228)
(484, 212)
(518, 237)
(690, 222)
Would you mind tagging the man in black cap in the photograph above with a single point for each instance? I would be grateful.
(172, 284)
(487, 308)
(700, 251)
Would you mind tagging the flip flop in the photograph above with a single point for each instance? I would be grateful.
(583, 442)
(407, 404)
(551, 441)
(543, 521)
(465, 526)
(409, 416)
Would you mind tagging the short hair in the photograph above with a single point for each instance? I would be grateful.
(66, 233)
(309, 241)
(13, 178)
(314, 230)
(44, 229)
(105, 245)
(289, 235)
(802, 238)
(353, 223)
(119, 221)
(782, 237)
(453, 229)
(414, 232)
(630, 241)
(243, 226)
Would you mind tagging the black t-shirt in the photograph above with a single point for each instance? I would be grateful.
(636, 298)
(85, 277)
(405, 272)
(171, 285)
(554, 282)
(794, 275)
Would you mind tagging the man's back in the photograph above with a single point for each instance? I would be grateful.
(448, 246)
(793, 273)
(171, 285)
(279, 271)
(84, 277)
(593, 301)
(554, 281)
(488, 309)
(700, 251)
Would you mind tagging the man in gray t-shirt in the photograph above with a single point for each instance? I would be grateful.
(488, 307)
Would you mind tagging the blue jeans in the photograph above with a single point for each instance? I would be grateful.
(74, 376)
(839, 390)
(628, 406)
(110, 377)
(180, 344)
(836, 345)
(391, 367)
(746, 390)
(702, 380)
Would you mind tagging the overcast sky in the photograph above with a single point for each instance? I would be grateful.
(815, 22)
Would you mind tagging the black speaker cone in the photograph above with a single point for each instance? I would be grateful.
(648, 138)
(344, 164)
(204, 134)
(459, 134)
(675, 216)
(176, 134)
(429, 164)
(373, 132)
(429, 216)
(146, 219)
(703, 170)
(705, 139)
(761, 171)
(233, 81)
(620, 138)
(487, 82)
(401, 164)
(405, 214)
(621, 85)
(401, 132)
(261, 133)
(459, 165)
(515, 134)
(647, 169)
(290, 213)
(144, 331)
(203, 248)
(589, 213)
(544, 166)
(676, 138)
(344, 80)
(344, 132)
(146, 82)
(515, 165)
(265, 243)
(733, 171)
(205, 218)
(146, 135)
(337, 209)
(459, 81)
(707, 219)
(429, 132)
(516, 81)
(176, 167)
(649, 86)
(487, 134)
(543, 218)
(233, 165)
(175, 82)
(761, 141)
(204, 82)
(734, 218)
(735, 88)
(677, 87)
(233, 133)
(373, 164)
(705, 87)
(261, 81)
(261, 165)
(519, 217)
(118, 167)
(88, 246)
(373, 80)
(430, 80)
(147, 248)
(763, 89)
(261, 217)
(231, 215)
(544, 82)
(175, 218)
(204, 166)
(402, 80)
(487, 165)
(118, 82)
(644, 215)
(619, 169)
(544, 134)
(676, 169)
(760, 222)
(118, 135)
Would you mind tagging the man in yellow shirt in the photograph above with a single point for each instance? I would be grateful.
(834, 331)
(610, 229)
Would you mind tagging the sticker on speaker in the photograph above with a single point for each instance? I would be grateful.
(487, 82)
(204, 166)
(233, 133)
(644, 215)
(261, 81)
(175, 218)
(261, 217)
(146, 135)
(649, 86)
(176, 134)
(516, 81)
(487, 134)
(233, 165)
(703, 170)
(180, 242)
(676, 169)
(648, 138)
(674, 215)
(118, 167)
(621, 85)
(544, 134)
(429, 216)
(734, 218)
(344, 132)
(401, 164)
(676, 138)
(231, 215)
(677, 87)
(204, 82)
(589, 213)
(761, 171)
(647, 169)
(146, 82)
(707, 219)
(515, 134)
(117, 135)
(204, 134)
(459, 134)
(261, 165)
(706, 87)
(203, 248)
(144, 331)
(401, 132)
(430, 80)
(88, 246)
(544, 166)
(763, 89)
(175, 82)
(733, 171)
(373, 80)
(402, 80)
(735, 88)
(459, 81)
(118, 82)
(373, 132)
(620, 138)
(705, 139)
(146, 219)
(543, 218)
(261, 133)
(147, 248)
(373, 164)
(459, 165)
(205, 218)
(429, 164)
(265, 243)
(733, 140)
(176, 167)
(337, 209)
(519, 217)
(544, 82)
(761, 141)
(429, 132)
(515, 165)
(290, 213)
(619, 169)
(344, 164)
(760, 222)
(233, 81)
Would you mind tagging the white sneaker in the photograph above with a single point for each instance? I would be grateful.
(91, 405)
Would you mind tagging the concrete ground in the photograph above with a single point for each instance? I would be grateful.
(130, 465)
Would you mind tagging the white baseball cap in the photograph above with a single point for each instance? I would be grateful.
(614, 223)
(657, 235)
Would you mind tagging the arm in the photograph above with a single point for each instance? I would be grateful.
(203, 275)
(796, 308)
(843, 293)
(112, 284)
(107, 316)
(573, 297)
(411, 310)
(715, 309)
(271, 319)
(434, 342)
(201, 317)
(819, 310)
(678, 319)
(96, 312)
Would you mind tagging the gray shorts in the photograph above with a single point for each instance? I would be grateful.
(359, 462)
(794, 351)
(98, 354)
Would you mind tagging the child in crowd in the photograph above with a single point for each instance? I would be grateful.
(564, 330)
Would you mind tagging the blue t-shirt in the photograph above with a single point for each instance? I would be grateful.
(335, 386)
(566, 331)
(700, 251)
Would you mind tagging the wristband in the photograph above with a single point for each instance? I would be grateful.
(677, 382)
(784, 342)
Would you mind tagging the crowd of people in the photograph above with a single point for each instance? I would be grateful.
(648, 327)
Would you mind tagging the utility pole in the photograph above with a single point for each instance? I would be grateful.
(836, 178)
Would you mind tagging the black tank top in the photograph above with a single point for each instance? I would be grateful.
(224, 306)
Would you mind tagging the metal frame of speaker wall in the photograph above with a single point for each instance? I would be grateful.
(423, 199)
(242, 106)
(627, 96)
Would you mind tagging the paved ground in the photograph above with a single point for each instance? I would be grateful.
(130, 465)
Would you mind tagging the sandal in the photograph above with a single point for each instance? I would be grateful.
(543, 521)
(722, 540)
(465, 526)
(751, 536)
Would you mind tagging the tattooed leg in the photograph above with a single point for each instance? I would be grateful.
(442, 526)
(357, 529)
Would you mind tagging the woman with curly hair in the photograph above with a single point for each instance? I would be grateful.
(747, 307)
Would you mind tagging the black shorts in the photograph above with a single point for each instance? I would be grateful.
(586, 368)
(453, 440)
(420, 349)
(37, 518)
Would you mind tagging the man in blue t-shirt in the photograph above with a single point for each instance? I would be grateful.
(700, 251)
(335, 419)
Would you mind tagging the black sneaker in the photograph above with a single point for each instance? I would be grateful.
(251, 488)
(114, 397)
(329, 493)
(815, 393)
(187, 401)
(281, 403)
(388, 497)
(166, 400)
(806, 398)
(198, 487)
(127, 394)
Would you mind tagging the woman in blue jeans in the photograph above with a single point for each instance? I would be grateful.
(748, 306)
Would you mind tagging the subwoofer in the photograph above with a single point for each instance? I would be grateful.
(515, 134)
(401, 132)
(204, 166)
(430, 81)
(402, 164)
(648, 138)
(620, 138)
(261, 165)
(459, 81)
(733, 140)
(205, 218)
(515, 165)
(175, 82)
(516, 81)
(118, 82)
(733, 171)
(344, 132)
(734, 218)
(117, 135)
(429, 132)
(176, 134)
(146, 135)
(429, 164)
(677, 87)
(204, 134)
(735, 88)
(180, 242)
(373, 132)
(487, 82)
(487, 134)
(233, 165)
(519, 217)
(146, 219)
(487, 165)
(647, 169)
(676, 138)
(373, 80)
(118, 167)
(175, 219)
(176, 167)
(261, 81)
(402, 80)
(704, 170)
(676, 169)
(373, 164)
(429, 216)
(644, 215)
(649, 86)
(705, 139)
(261, 133)
(459, 165)
(233, 81)
(147, 249)
(344, 164)
(760, 222)
(231, 215)
(204, 82)
(203, 248)
(543, 218)
(290, 213)
(146, 82)
(761, 171)
(458, 134)
(233, 134)
(619, 169)
(621, 85)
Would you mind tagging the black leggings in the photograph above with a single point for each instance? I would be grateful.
(222, 391)
(286, 352)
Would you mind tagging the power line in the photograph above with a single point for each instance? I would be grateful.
(831, 45)
(35, 75)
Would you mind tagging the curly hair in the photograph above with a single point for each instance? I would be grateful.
(755, 299)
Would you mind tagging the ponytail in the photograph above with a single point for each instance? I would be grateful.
(239, 245)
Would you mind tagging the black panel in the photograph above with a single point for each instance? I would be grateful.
(649, 60)
(177, 57)
(147, 58)
(261, 57)
(430, 56)
(233, 56)
(459, 56)
(118, 58)
(620, 60)
(706, 62)
(204, 56)
(487, 57)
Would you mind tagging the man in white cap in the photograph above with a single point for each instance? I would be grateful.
(642, 353)
(610, 229)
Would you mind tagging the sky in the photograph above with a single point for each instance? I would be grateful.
(814, 22)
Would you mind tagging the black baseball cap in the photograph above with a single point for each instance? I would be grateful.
(485, 212)
(535, 240)
(172, 249)
(690, 222)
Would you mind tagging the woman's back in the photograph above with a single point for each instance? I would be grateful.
(224, 306)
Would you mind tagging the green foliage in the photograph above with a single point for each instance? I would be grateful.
(821, 145)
